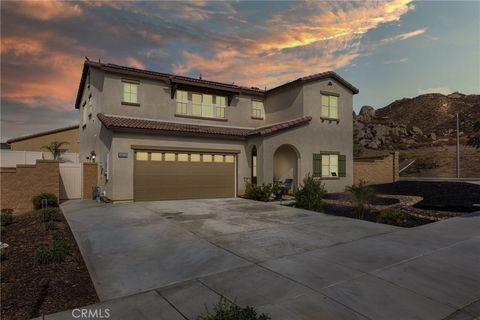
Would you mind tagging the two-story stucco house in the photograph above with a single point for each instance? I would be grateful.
(159, 136)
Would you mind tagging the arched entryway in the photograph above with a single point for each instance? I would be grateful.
(285, 165)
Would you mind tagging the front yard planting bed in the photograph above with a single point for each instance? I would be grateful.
(438, 196)
(30, 289)
(343, 204)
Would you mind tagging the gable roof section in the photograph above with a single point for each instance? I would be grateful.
(128, 71)
(119, 123)
(43, 133)
(320, 76)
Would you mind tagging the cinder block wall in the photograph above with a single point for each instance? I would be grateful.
(19, 185)
(90, 171)
(374, 170)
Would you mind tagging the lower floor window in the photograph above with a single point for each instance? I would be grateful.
(329, 165)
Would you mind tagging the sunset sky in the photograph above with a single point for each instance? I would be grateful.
(389, 50)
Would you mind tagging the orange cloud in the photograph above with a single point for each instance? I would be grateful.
(134, 63)
(308, 38)
(47, 10)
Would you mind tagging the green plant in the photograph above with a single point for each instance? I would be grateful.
(6, 217)
(50, 215)
(310, 194)
(55, 148)
(3, 254)
(52, 200)
(362, 194)
(225, 310)
(261, 193)
(391, 216)
(51, 226)
(56, 252)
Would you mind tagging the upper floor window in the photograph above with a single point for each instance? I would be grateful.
(257, 109)
(200, 105)
(182, 102)
(130, 91)
(329, 106)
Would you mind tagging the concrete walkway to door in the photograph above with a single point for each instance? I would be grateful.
(167, 260)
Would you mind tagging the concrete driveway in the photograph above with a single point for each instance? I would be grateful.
(168, 260)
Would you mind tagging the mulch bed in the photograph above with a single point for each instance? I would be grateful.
(441, 196)
(29, 290)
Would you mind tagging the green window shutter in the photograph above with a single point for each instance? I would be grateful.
(342, 165)
(317, 165)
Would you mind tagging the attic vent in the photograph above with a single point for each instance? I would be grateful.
(330, 83)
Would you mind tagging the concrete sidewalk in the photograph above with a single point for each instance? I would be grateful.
(291, 263)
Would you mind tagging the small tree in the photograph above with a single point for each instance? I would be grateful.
(362, 194)
(474, 140)
(55, 148)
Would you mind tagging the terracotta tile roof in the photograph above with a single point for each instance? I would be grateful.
(43, 133)
(137, 124)
(200, 82)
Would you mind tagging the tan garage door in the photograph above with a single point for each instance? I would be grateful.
(182, 175)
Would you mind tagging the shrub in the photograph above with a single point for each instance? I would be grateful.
(392, 216)
(6, 217)
(362, 194)
(3, 254)
(310, 194)
(52, 200)
(51, 226)
(56, 252)
(261, 193)
(50, 214)
(225, 310)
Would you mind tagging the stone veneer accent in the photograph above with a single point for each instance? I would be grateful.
(19, 185)
(90, 171)
(374, 170)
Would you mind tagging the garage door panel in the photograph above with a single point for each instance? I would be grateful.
(166, 180)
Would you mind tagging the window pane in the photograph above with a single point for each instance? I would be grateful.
(207, 110)
(325, 112)
(182, 96)
(325, 160)
(220, 112)
(197, 98)
(156, 156)
(195, 157)
(207, 99)
(126, 97)
(333, 101)
(133, 98)
(324, 100)
(169, 156)
(142, 156)
(229, 159)
(133, 88)
(333, 160)
(183, 157)
(218, 158)
(196, 104)
(333, 112)
(254, 171)
(325, 171)
(207, 158)
(221, 101)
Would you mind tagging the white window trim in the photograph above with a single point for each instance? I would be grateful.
(330, 166)
(329, 96)
(216, 107)
(258, 110)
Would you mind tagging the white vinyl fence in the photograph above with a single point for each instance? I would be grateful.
(70, 181)
(10, 158)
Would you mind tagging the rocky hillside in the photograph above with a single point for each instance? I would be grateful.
(426, 120)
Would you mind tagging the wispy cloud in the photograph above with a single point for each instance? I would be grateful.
(442, 90)
(396, 61)
(404, 36)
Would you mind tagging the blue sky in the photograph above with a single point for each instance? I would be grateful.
(389, 50)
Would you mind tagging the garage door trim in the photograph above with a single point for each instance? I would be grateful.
(184, 149)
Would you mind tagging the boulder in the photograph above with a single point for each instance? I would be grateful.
(417, 130)
(380, 130)
(374, 144)
(367, 113)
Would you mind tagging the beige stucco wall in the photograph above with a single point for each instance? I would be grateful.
(155, 103)
(36, 143)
